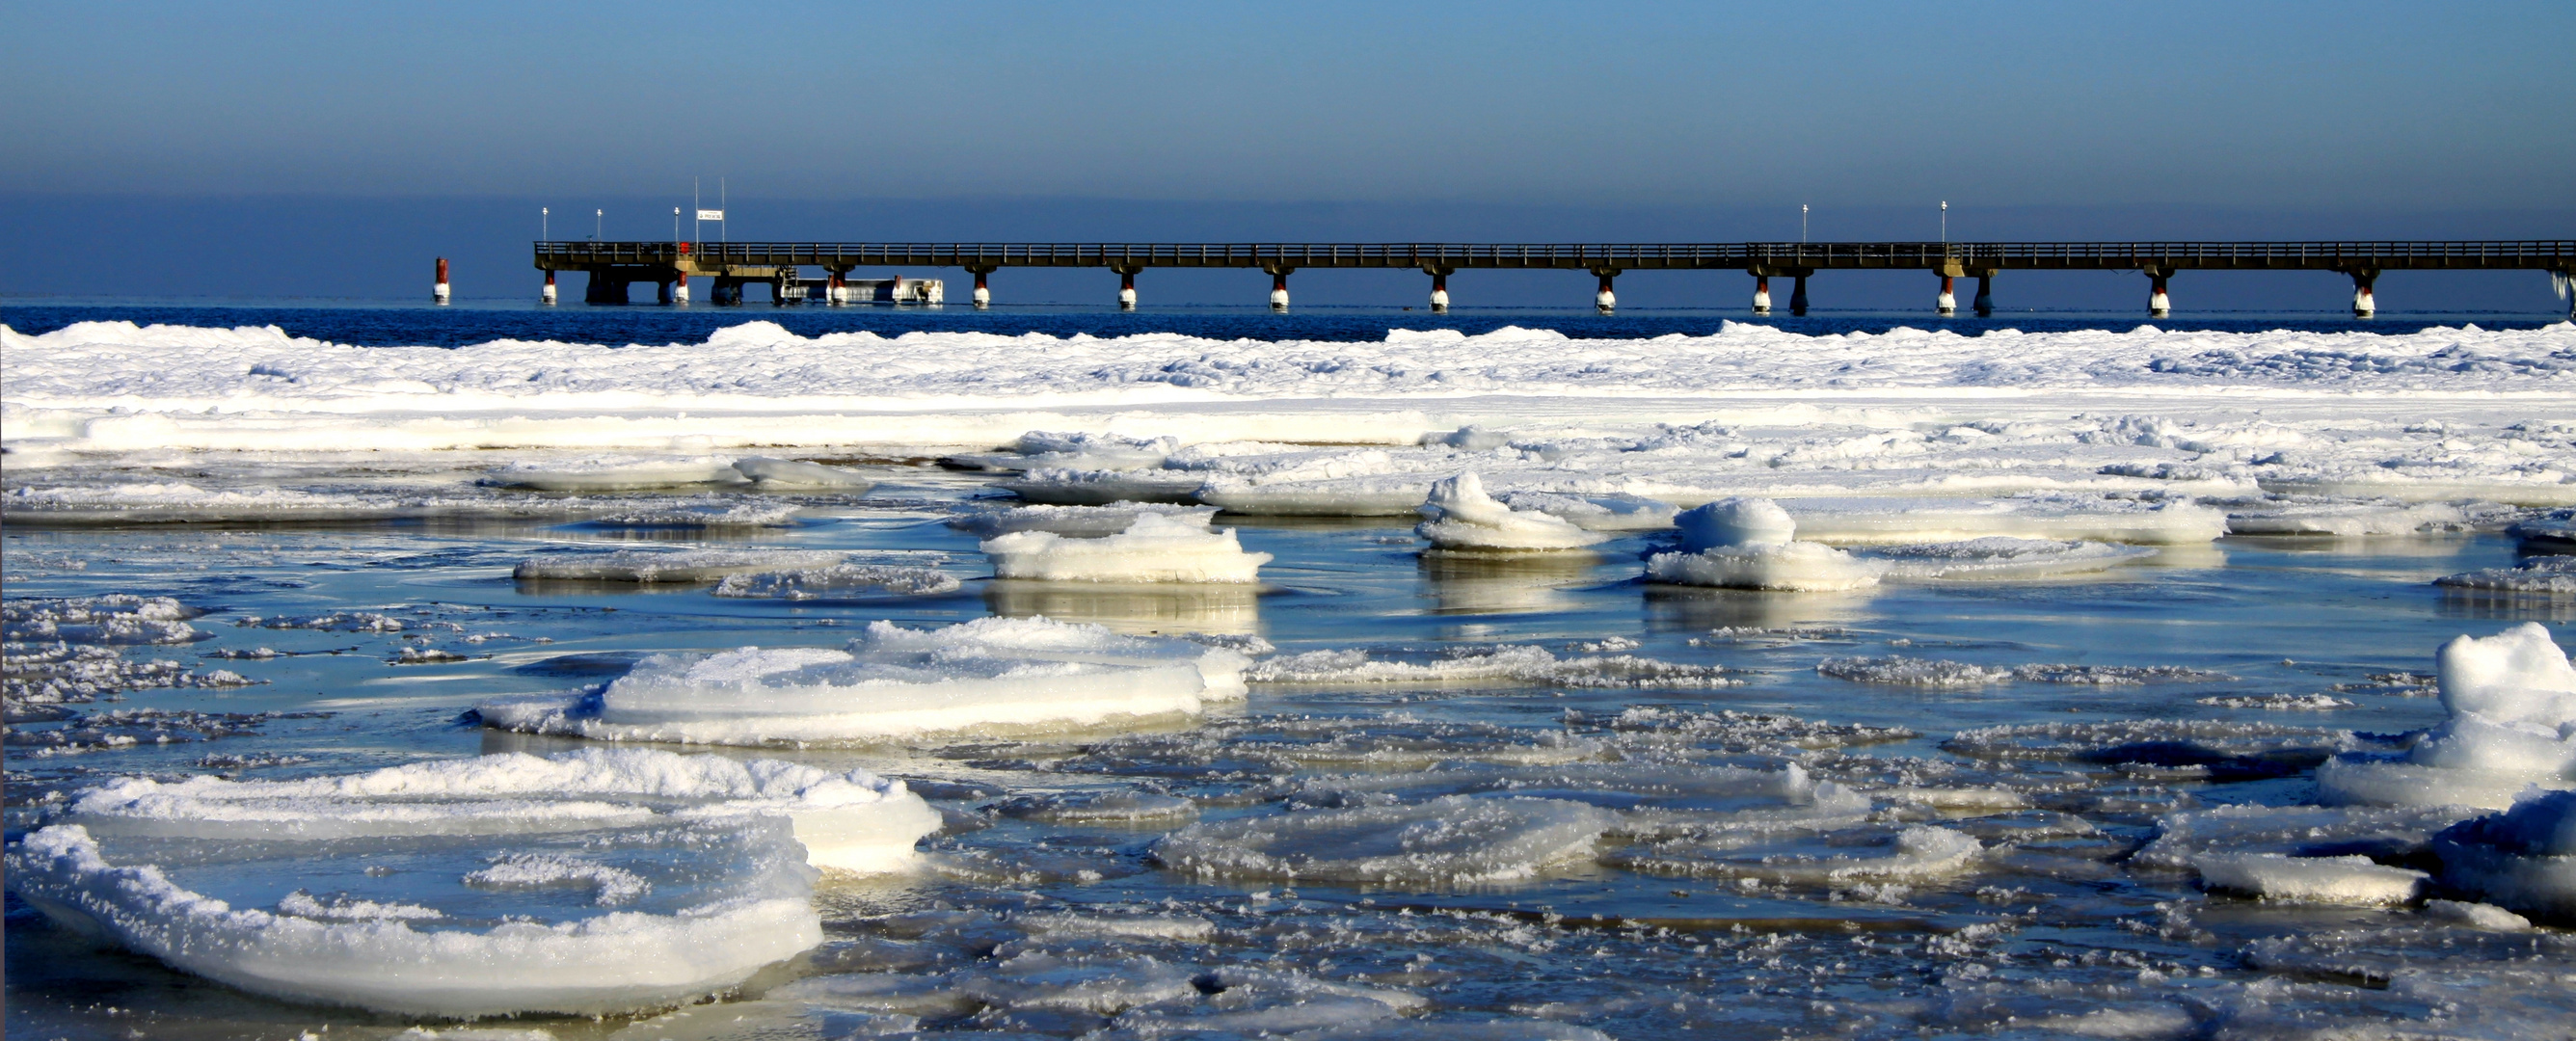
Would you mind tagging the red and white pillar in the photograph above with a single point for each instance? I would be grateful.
(680, 289)
(1127, 290)
(549, 295)
(1605, 301)
(1761, 294)
(1948, 303)
(438, 289)
(2159, 304)
(983, 296)
(1439, 292)
(2363, 306)
(1279, 290)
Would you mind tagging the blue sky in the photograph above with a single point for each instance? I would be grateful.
(1491, 121)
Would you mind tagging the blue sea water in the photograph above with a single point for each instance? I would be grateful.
(2030, 944)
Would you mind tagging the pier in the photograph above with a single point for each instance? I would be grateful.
(613, 267)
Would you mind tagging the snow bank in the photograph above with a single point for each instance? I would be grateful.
(2512, 704)
(1155, 547)
(647, 565)
(1451, 841)
(590, 883)
(990, 675)
(1459, 515)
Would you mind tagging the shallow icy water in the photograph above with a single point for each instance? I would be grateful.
(1049, 909)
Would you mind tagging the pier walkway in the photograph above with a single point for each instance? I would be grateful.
(612, 266)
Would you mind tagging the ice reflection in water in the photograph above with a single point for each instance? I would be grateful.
(1803, 853)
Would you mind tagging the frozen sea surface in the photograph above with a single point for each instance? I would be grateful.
(1471, 791)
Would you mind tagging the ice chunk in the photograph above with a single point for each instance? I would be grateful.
(1911, 672)
(837, 581)
(1459, 515)
(1154, 548)
(1789, 566)
(1039, 449)
(1735, 522)
(1455, 840)
(1595, 512)
(2523, 858)
(790, 473)
(1059, 486)
(709, 513)
(2541, 576)
(2299, 831)
(2346, 519)
(988, 675)
(2476, 916)
(645, 565)
(2555, 533)
(1079, 521)
(2321, 880)
(2512, 702)
(591, 883)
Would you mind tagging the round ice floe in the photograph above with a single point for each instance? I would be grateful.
(2512, 702)
(1912, 854)
(1457, 840)
(2523, 858)
(595, 882)
(1459, 515)
(1735, 522)
(1154, 548)
(689, 565)
(985, 676)
(1786, 566)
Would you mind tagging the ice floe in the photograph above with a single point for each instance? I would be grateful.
(649, 566)
(1512, 665)
(2537, 576)
(791, 473)
(1155, 547)
(592, 882)
(2523, 858)
(1454, 840)
(837, 581)
(1459, 515)
(2350, 879)
(1741, 543)
(991, 675)
(1075, 521)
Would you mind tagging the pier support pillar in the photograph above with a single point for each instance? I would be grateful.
(983, 295)
(836, 292)
(680, 290)
(1127, 287)
(1604, 300)
(2159, 305)
(1439, 290)
(1985, 303)
(604, 288)
(1279, 287)
(2363, 305)
(1761, 294)
(438, 289)
(1948, 303)
(548, 296)
(1798, 296)
(661, 292)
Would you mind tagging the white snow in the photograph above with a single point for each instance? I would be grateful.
(990, 675)
(1155, 547)
(469, 925)
(2512, 704)
(1459, 515)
